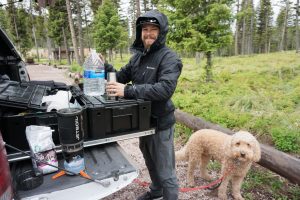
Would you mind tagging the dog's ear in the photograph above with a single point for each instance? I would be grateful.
(227, 147)
(257, 151)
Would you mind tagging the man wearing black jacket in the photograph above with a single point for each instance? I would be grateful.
(153, 70)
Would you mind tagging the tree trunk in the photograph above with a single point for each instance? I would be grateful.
(250, 38)
(33, 33)
(66, 46)
(48, 39)
(266, 42)
(87, 30)
(208, 67)
(121, 54)
(272, 159)
(198, 58)
(35, 42)
(110, 55)
(59, 54)
(133, 16)
(80, 36)
(243, 47)
(284, 28)
(236, 37)
(16, 28)
(138, 8)
(297, 28)
(73, 35)
(145, 2)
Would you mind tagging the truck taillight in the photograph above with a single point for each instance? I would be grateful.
(5, 179)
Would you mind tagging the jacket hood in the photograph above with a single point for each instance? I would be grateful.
(161, 39)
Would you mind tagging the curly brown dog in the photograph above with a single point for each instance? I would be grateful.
(236, 154)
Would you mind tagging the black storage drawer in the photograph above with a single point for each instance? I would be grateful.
(124, 118)
(107, 118)
(118, 120)
(13, 127)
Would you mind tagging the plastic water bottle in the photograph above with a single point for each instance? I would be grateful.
(93, 76)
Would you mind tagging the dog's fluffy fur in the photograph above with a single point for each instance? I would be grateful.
(236, 152)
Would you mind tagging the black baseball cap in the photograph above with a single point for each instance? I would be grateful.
(147, 20)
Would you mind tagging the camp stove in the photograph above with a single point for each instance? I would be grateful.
(71, 138)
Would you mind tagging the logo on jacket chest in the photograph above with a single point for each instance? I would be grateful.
(150, 68)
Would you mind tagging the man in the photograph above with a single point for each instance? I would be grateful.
(154, 70)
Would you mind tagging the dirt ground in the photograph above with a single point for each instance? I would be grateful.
(133, 190)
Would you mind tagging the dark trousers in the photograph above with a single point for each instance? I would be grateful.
(158, 152)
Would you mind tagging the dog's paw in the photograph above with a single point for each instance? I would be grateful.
(191, 183)
(222, 196)
(238, 197)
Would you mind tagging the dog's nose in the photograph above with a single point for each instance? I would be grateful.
(243, 154)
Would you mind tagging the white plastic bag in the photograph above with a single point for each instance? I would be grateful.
(42, 148)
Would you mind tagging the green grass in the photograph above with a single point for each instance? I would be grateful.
(262, 180)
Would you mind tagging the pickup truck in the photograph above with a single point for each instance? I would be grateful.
(106, 162)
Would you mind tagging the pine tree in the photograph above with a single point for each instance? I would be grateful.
(237, 29)
(32, 22)
(246, 26)
(284, 26)
(57, 19)
(264, 29)
(72, 29)
(200, 25)
(95, 4)
(132, 17)
(4, 23)
(24, 32)
(297, 27)
(12, 22)
(107, 29)
(124, 38)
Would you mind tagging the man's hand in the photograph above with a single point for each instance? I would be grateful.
(115, 89)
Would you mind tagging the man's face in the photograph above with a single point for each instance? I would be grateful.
(149, 34)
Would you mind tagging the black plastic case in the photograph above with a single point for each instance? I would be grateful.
(13, 127)
(23, 95)
(108, 118)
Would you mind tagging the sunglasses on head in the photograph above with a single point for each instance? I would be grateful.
(150, 21)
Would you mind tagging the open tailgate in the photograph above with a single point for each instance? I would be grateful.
(107, 163)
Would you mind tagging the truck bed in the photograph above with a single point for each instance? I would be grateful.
(107, 163)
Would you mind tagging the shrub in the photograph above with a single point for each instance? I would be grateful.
(285, 139)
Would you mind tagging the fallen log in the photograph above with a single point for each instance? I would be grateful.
(272, 159)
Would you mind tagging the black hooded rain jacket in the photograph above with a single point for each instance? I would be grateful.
(154, 73)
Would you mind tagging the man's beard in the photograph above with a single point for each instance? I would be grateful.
(147, 45)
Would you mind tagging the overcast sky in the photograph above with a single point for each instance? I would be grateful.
(125, 4)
